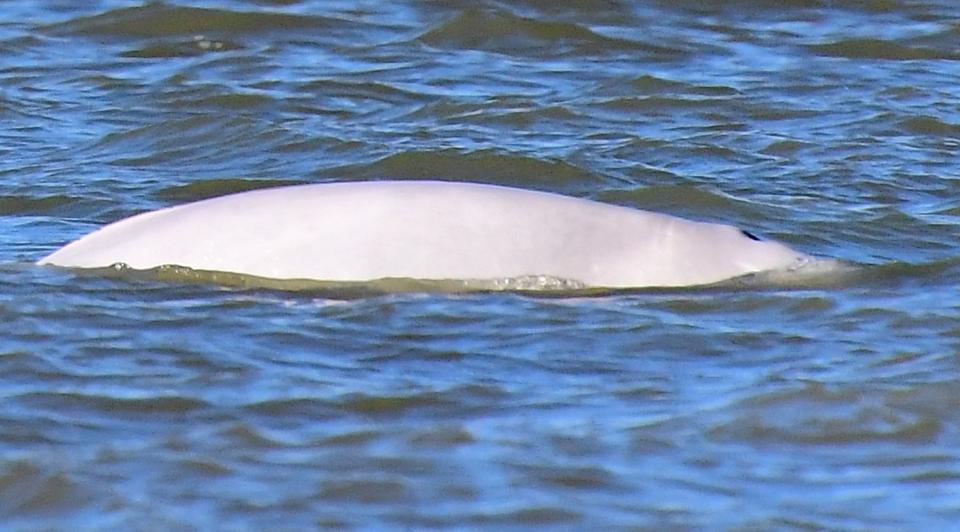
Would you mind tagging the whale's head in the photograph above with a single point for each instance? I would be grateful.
(751, 253)
(693, 253)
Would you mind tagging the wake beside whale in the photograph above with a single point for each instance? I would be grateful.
(428, 230)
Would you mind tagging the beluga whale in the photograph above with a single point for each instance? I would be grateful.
(428, 230)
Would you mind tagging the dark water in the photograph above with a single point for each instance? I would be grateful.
(137, 404)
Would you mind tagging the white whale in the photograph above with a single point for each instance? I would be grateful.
(429, 230)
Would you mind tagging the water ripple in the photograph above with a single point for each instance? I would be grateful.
(174, 399)
(160, 19)
(508, 33)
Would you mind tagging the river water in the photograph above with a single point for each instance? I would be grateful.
(136, 403)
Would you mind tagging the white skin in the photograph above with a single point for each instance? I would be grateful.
(427, 230)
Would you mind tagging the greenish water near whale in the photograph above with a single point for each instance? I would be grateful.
(134, 402)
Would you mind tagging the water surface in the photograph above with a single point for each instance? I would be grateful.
(833, 126)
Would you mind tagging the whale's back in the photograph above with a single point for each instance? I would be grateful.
(426, 230)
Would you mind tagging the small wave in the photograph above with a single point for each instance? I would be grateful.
(805, 274)
(367, 91)
(337, 289)
(159, 20)
(683, 200)
(880, 49)
(647, 84)
(198, 45)
(379, 405)
(485, 166)
(29, 205)
(826, 273)
(196, 138)
(819, 415)
(648, 105)
(928, 274)
(30, 489)
(173, 405)
(211, 188)
(786, 148)
(928, 125)
(505, 32)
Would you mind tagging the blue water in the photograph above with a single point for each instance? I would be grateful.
(132, 402)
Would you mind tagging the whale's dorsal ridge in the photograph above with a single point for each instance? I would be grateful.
(427, 230)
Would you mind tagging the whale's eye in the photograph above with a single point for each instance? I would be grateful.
(750, 235)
